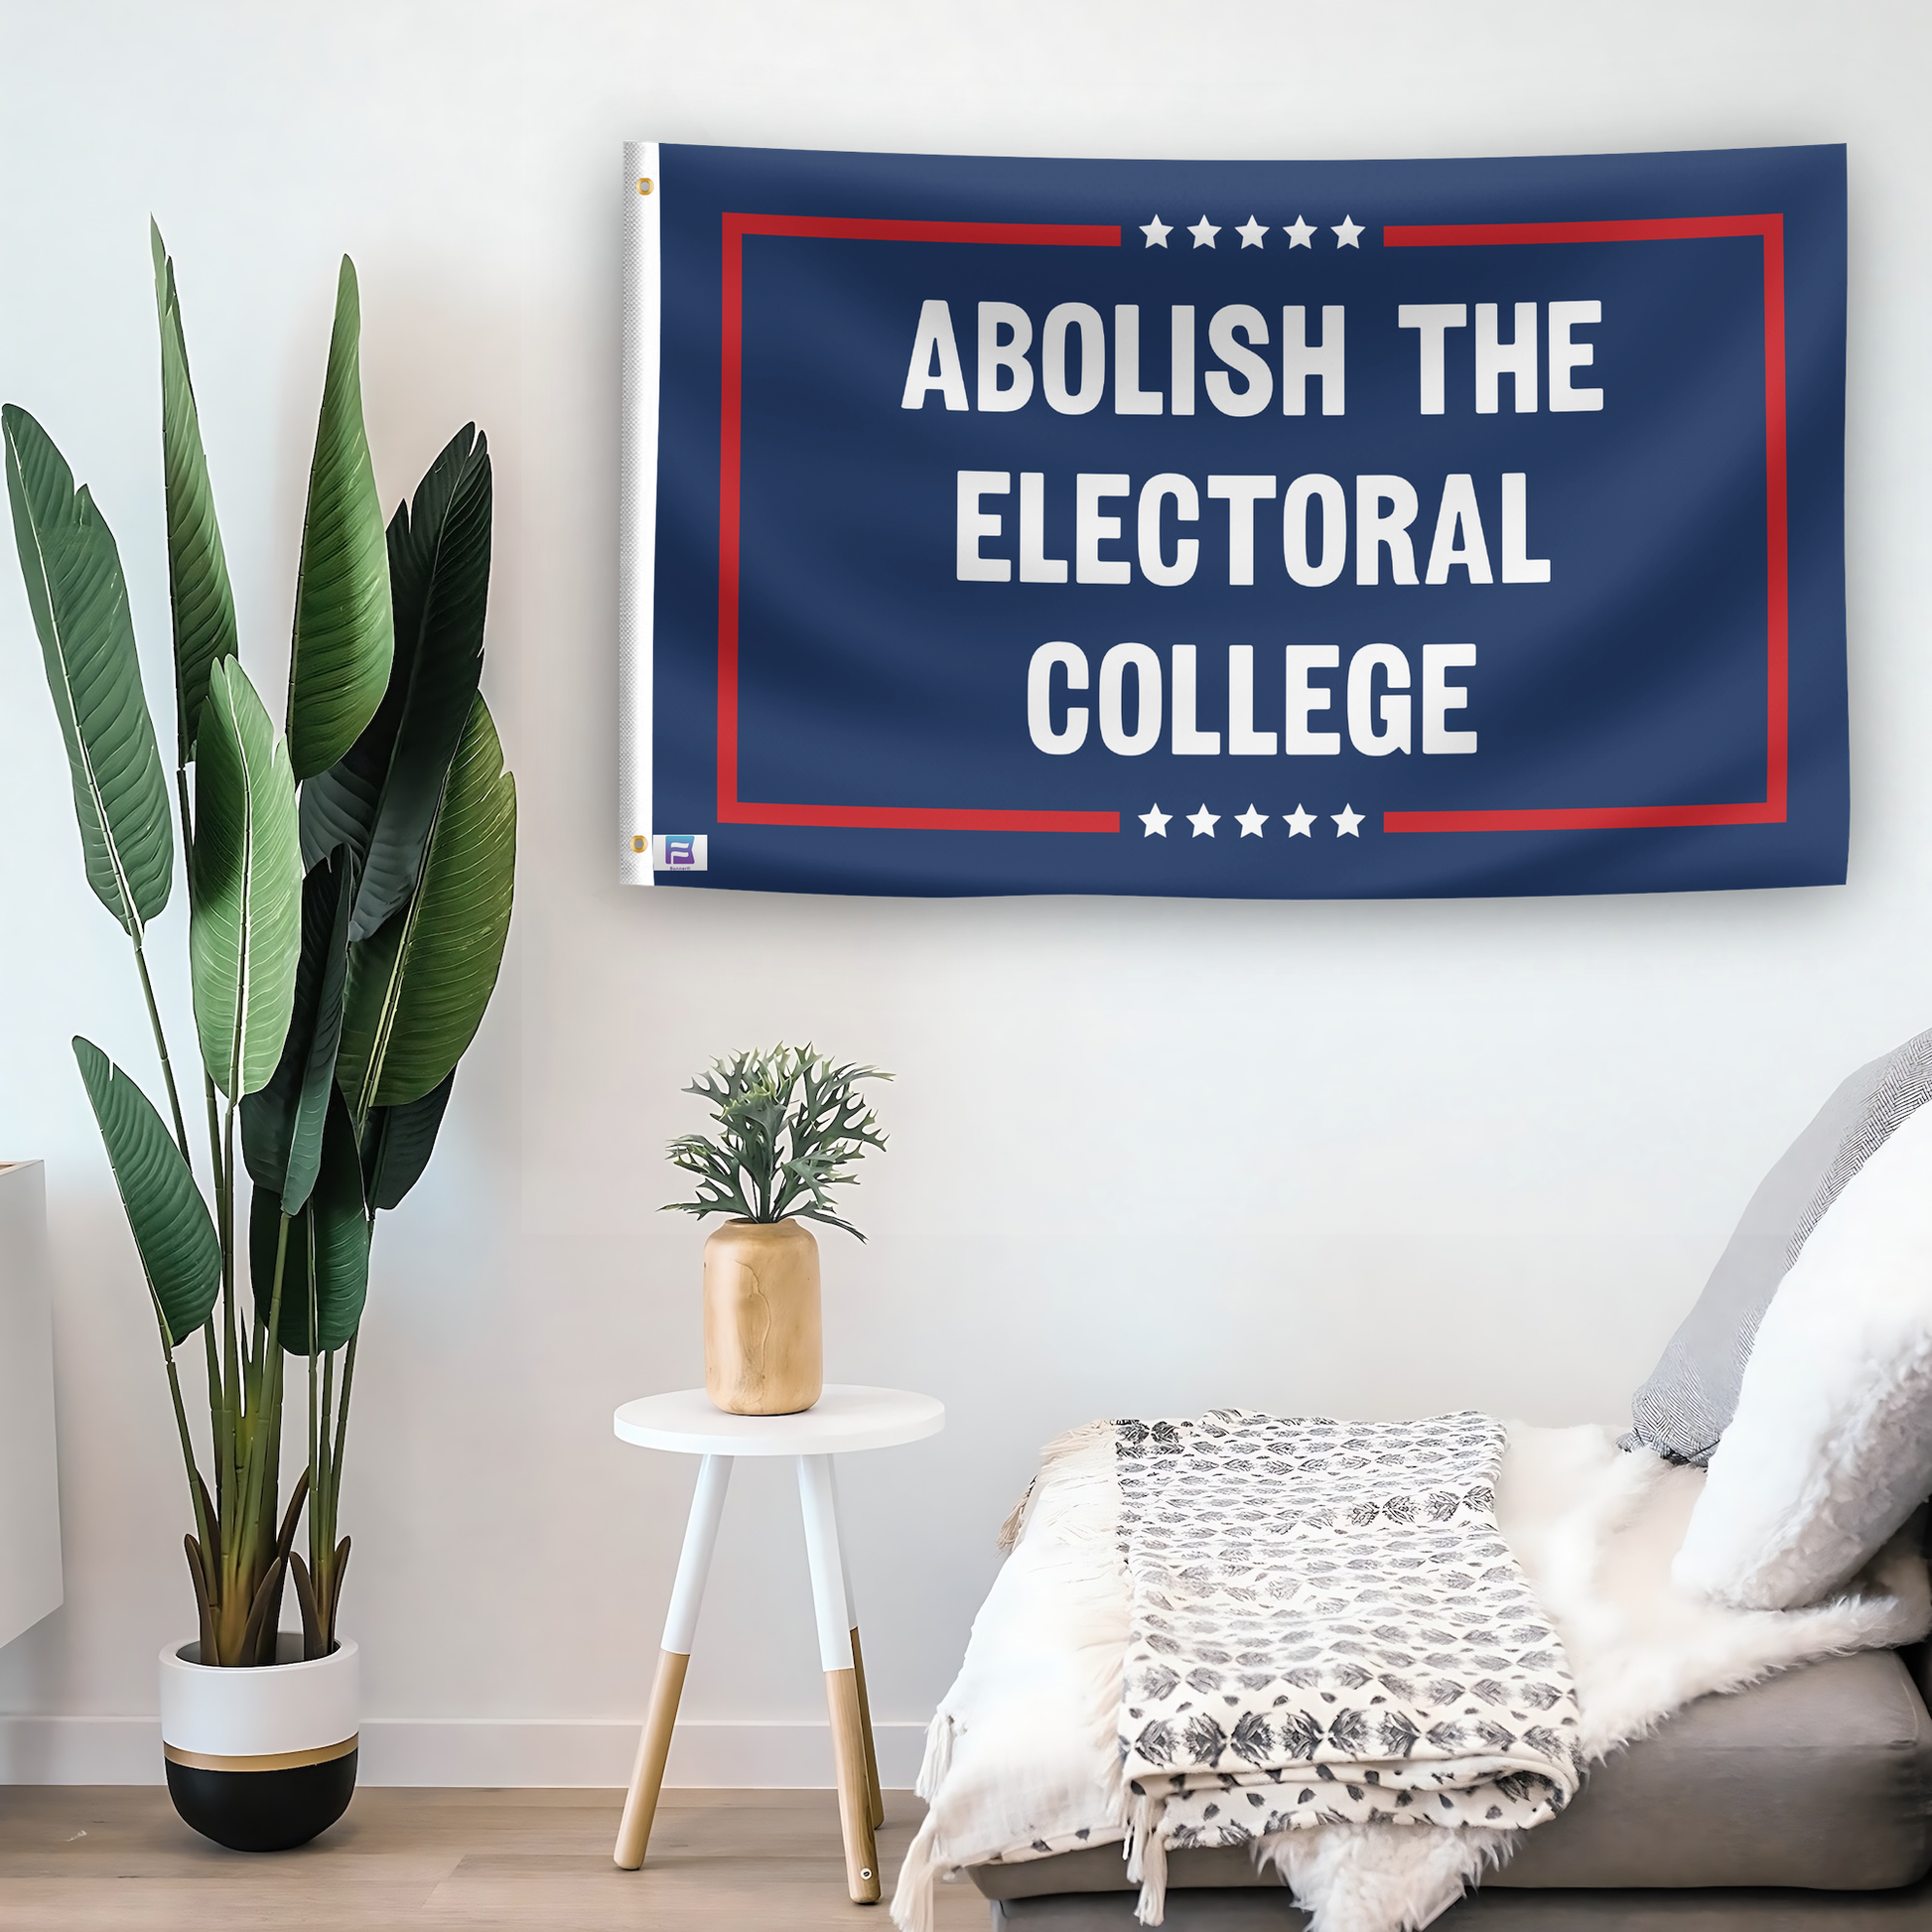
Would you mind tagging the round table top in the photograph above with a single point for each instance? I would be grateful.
(845, 1416)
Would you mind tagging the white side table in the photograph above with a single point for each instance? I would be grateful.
(843, 1419)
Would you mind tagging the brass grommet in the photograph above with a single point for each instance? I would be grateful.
(639, 842)
(644, 184)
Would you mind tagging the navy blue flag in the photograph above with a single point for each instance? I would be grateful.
(1264, 530)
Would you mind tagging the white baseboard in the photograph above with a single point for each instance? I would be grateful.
(480, 1752)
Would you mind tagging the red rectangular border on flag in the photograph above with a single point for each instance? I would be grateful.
(732, 809)
(1770, 809)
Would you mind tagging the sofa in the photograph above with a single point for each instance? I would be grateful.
(1801, 1803)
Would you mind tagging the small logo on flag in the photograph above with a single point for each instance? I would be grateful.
(679, 852)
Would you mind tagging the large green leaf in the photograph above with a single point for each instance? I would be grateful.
(281, 1126)
(198, 569)
(339, 805)
(78, 599)
(327, 1260)
(179, 1254)
(382, 796)
(397, 1144)
(345, 636)
(244, 936)
(417, 990)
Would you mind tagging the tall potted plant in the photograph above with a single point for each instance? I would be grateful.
(349, 884)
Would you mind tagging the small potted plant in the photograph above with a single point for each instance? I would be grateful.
(349, 885)
(790, 1126)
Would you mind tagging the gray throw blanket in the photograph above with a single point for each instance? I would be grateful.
(1328, 1628)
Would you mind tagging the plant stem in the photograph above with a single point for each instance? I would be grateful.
(219, 1434)
(265, 1365)
(221, 1396)
(180, 1426)
(341, 1416)
(187, 1452)
(261, 1452)
(230, 1351)
(335, 1495)
(318, 1436)
(161, 1047)
(322, 1504)
(246, 1562)
(213, 1136)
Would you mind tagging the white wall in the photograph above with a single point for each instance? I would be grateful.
(1372, 1159)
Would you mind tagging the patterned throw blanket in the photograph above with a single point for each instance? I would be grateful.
(1326, 1627)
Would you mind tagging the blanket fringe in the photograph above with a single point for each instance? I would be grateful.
(938, 1756)
(913, 1896)
(1015, 1522)
(1147, 1857)
(1058, 1451)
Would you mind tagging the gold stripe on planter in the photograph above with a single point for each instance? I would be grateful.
(266, 1761)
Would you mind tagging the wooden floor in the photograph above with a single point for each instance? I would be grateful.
(111, 1858)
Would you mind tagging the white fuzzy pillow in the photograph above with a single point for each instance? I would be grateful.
(1830, 1448)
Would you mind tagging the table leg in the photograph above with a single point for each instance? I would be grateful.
(876, 1796)
(680, 1625)
(820, 1510)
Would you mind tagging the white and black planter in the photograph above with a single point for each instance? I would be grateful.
(260, 1760)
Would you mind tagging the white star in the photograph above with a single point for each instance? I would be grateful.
(1203, 233)
(1251, 233)
(1299, 235)
(1156, 822)
(1204, 822)
(1156, 233)
(1251, 822)
(1300, 823)
(1346, 233)
(1346, 822)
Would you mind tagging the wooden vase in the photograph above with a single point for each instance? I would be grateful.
(763, 1343)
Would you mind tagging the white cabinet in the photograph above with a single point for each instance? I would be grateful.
(30, 1498)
